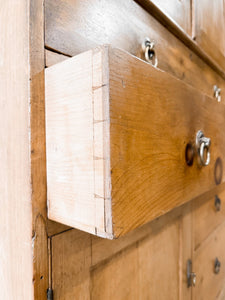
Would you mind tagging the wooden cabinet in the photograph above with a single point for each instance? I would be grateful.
(133, 127)
(149, 262)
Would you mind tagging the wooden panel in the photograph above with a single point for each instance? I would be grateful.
(144, 271)
(75, 26)
(210, 285)
(149, 174)
(210, 28)
(118, 279)
(132, 269)
(206, 217)
(71, 261)
(15, 180)
(160, 253)
(178, 11)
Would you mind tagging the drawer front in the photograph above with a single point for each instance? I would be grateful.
(118, 131)
(208, 214)
(75, 26)
(210, 280)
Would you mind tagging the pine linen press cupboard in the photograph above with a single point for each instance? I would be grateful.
(154, 141)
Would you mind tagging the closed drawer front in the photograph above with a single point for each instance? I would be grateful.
(117, 134)
(75, 26)
(208, 214)
(209, 265)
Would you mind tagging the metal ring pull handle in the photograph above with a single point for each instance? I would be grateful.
(148, 48)
(203, 146)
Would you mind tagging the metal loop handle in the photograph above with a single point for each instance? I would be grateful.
(203, 143)
(149, 51)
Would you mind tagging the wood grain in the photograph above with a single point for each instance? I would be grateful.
(75, 26)
(141, 152)
(15, 177)
(88, 211)
(150, 126)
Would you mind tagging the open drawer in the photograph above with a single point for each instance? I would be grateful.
(121, 142)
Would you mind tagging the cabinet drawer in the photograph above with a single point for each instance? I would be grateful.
(117, 131)
(208, 214)
(209, 284)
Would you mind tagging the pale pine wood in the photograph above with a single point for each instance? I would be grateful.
(51, 58)
(78, 26)
(15, 179)
(149, 175)
(210, 285)
(206, 218)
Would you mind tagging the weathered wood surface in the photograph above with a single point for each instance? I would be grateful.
(15, 180)
(149, 126)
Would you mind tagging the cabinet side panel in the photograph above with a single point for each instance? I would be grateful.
(15, 176)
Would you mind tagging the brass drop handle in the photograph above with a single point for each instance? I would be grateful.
(203, 148)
